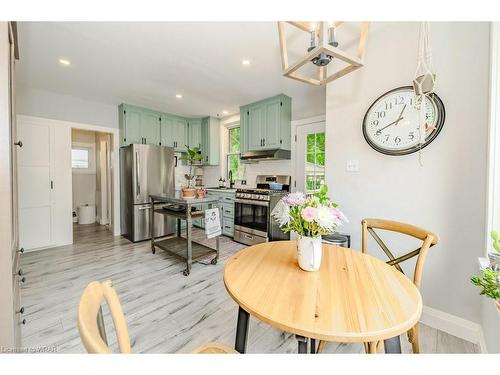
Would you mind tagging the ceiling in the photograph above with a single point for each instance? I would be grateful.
(148, 63)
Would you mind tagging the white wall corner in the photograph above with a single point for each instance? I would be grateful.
(454, 325)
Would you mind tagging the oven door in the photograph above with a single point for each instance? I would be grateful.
(251, 217)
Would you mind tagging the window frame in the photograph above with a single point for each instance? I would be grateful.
(229, 153)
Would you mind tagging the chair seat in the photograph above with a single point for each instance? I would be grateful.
(214, 348)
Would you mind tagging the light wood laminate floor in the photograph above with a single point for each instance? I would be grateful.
(165, 311)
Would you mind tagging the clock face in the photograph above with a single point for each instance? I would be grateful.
(391, 124)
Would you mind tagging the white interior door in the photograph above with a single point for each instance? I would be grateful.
(310, 157)
(36, 201)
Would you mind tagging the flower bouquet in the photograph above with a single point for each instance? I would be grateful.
(310, 217)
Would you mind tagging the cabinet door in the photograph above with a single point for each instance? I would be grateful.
(132, 126)
(150, 128)
(166, 131)
(243, 130)
(195, 133)
(272, 124)
(256, 120)
(205, 140)
(180, 134)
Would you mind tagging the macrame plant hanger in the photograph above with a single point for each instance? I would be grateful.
(424, 82)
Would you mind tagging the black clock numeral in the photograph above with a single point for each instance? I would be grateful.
(380, 114)
(397, 140)
(387, 137)
(388, 106)
(399, 100)
(411, 136)
(374, 122)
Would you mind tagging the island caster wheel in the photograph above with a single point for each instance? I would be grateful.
(214, 261)
(185, 273)
(153, 250)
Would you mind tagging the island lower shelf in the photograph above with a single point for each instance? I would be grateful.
(177, 247)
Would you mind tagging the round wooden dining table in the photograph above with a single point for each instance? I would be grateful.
(353, 297)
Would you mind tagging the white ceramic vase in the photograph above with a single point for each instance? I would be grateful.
(309, 253)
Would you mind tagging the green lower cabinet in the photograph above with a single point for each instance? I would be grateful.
(227, 207)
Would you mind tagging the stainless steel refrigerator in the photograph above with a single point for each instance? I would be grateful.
(145, 170)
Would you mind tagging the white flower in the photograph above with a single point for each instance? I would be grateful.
(281, 213)
(325, 218)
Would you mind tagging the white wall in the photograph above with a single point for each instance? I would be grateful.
(447, 194)
(47, 104)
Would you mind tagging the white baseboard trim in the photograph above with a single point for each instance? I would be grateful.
(454, 325)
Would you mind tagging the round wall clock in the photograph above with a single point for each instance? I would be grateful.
(391, 124)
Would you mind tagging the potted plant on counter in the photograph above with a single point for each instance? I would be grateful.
(310, 217)
(193, 157)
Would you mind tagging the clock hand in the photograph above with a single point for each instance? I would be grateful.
(394, 122)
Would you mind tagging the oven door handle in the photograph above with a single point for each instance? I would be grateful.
(252, 202)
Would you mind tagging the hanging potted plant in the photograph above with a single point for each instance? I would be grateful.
(193, 157)
(310, 217)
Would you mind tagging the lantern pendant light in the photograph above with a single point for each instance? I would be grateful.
(323, 48)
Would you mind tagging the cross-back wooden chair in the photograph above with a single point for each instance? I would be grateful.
(91, 322)
(428, 239)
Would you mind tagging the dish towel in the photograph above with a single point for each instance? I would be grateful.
(212, 223)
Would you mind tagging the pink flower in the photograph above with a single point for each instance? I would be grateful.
(295, 199)
(308, 214)
(339, 216)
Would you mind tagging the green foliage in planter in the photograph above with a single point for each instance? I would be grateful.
(193, 156)
(489, 282)
(495, 236)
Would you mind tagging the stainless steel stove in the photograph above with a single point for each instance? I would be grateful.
(252, 210)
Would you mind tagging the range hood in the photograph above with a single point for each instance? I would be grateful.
(266, 155)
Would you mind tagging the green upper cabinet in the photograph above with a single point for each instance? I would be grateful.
(210, 141)
(173, 132)
(266, 124)
(141, 125)
(194, 127)
(272, 131)
(150, 128)
(244, 113)
(138, 125)
(257, 126)
(166, 132)
(180, 134)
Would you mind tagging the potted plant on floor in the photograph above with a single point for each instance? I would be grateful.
(193, 157)
(310, 217)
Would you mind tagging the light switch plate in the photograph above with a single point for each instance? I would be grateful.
(352, 165)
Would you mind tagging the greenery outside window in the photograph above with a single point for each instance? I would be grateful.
(315, 162)
(233, 155)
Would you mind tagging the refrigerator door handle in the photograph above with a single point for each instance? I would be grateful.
(144, 208)
(175, 165)
(137, 172)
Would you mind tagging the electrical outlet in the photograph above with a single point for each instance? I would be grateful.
(352, 166)
(243, 182)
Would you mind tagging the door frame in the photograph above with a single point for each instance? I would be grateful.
(65, 135)
(295, 125)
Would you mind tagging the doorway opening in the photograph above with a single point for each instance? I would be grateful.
(310, 157)
(92, 183)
